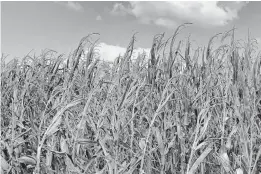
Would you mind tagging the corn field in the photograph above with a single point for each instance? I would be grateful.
(179, 111)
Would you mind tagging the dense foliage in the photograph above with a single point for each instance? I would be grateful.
(173, 111)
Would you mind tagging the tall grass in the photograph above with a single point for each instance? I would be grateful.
(196, 111)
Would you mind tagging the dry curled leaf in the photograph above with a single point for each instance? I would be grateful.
(4, 165)
(225, 161)
(53, 127)
(142, 143)
(85, 141)
(64, 145)
(200, 159)
(27, 160)
(49, 158)
(200, 145)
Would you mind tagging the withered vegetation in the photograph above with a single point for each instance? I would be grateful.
(173, 111)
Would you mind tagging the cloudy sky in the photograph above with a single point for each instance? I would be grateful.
(61, 25)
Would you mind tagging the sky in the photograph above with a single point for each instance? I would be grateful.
(27, 26)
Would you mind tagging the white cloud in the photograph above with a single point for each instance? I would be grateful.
(75, 6)
(119, 9)
(165, 22)
(111, 52)
(98, 18)
(167, 14)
